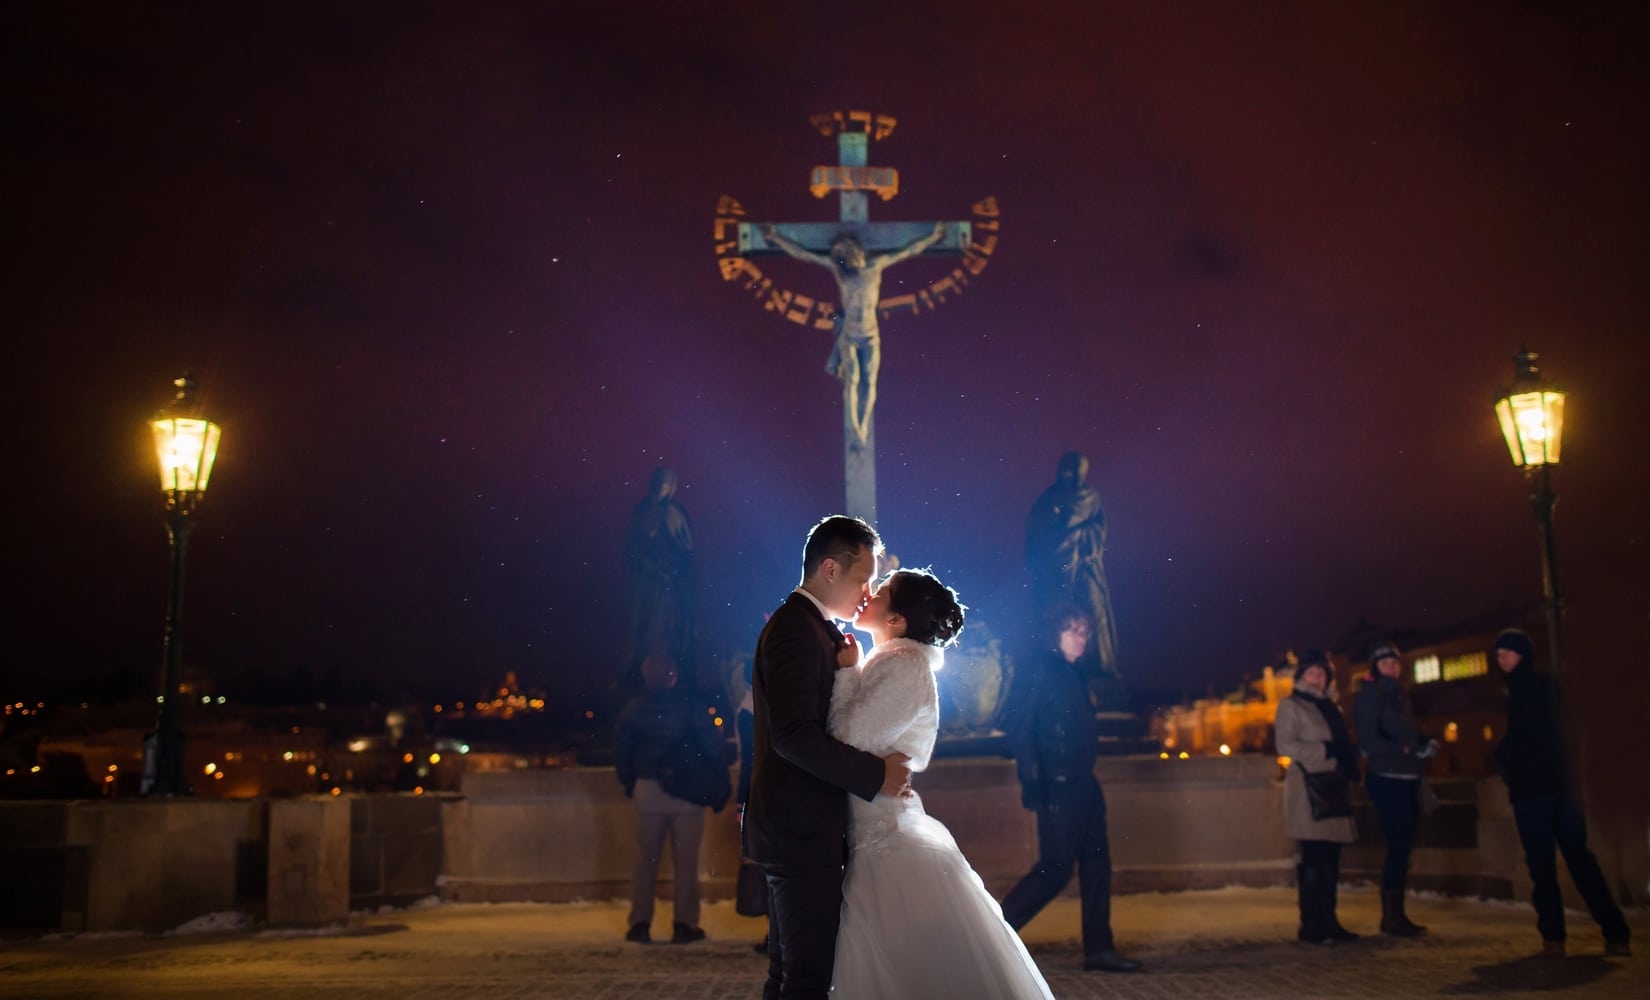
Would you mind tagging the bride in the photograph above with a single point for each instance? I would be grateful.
(916, 919)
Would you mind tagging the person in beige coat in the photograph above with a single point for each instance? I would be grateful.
(1311, 732)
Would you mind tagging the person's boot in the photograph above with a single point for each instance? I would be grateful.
(1309, 890)
(1393, 921)
(1331, 923)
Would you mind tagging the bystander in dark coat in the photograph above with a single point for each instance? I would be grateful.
(1396, 753)
(663, 727)
(1052, 730)
(1532, 759)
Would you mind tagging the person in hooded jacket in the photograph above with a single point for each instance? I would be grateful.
(652, 732)
(1396, 752)
(1310, 731)
(1532, 760)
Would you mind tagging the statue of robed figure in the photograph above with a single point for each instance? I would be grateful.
(1065, 543)
(659, 557)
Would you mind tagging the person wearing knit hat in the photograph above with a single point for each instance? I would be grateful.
(1310, 731)
(1546, 809)
(1397, 752)
(1517, 640)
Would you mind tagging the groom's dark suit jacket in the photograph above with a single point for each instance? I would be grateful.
(798, 809)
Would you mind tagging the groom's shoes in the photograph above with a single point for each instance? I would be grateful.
(1109, 961)
(638, 933)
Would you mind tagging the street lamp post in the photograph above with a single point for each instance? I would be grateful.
(186, 446)
(1532, 421)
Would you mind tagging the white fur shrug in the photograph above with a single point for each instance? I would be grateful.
(890, 702)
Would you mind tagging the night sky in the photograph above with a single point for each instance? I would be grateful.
(446, 276)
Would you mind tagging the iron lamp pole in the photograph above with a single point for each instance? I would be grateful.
(186, 446)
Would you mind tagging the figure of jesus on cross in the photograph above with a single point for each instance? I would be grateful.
(857, 355)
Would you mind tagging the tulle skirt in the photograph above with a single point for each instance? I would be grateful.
(917, 922)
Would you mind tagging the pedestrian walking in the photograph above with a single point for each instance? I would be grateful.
(1052, 730)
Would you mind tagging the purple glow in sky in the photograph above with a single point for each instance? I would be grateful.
(446, 278)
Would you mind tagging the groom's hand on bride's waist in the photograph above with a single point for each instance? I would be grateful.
(896, 775)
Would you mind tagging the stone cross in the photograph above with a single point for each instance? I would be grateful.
(856, 250)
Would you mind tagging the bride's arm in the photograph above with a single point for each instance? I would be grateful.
(845, 687)
(890, 697)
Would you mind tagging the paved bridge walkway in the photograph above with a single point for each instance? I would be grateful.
(1225, 944)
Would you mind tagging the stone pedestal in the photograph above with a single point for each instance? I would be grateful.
(309, 844)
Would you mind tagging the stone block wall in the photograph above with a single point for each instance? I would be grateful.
(124, 865)
(309, 861)
(567, 835)
(395, 849)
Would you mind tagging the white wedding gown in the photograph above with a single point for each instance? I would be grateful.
(917, 922)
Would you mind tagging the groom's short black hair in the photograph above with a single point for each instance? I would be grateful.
(838, 537)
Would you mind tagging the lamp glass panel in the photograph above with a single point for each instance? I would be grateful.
(1553, 404)
(1509, 431)
(185, 449)
(1532, 423)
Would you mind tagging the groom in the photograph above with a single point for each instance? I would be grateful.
(796, 823)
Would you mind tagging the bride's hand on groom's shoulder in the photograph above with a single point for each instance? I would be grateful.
(847, 653)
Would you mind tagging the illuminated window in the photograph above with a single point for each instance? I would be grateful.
(1426, 669)
(1489, 734)
(1466, 665)
(1452, 732)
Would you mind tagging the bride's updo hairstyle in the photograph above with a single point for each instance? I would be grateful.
(933, 615)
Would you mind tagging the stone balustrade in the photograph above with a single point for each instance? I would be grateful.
(552, 836)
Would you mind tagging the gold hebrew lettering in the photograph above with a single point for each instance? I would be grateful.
(826, 320)
(984, 249)
(988, 224)
(884, 127)
(724, 247)
(861, 117)
(721, 227)
(804, 306)
(940, 287)
(899, 302)
(727, 205)
(779, 300)
(975, 263)
(732, 267)
(828, 124)
(922, 296)
(986, 207)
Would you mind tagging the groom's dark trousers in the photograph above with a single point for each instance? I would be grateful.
(796, 823)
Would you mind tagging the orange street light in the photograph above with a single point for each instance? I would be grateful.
(1531, 414)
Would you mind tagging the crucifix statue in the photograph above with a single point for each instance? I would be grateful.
(856, 358)
(856, 251)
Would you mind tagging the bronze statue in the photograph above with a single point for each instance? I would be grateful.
(659, 556)
(1065, 542)
(857, 356)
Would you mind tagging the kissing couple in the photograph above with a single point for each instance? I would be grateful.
(866, 891)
